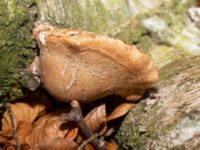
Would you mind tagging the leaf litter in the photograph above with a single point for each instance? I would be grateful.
(39, 126)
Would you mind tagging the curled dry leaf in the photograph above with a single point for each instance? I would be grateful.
(9, 147)
(23, 114)
(88, 147)
(85, 66)
(96, 117)
(109, 146)
(119, 111)
(23, 129)
(50, 126)
(55, 144)
(25, 111)
(72, 133)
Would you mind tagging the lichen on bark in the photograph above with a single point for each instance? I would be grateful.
(166, 34)
(109, 18)
(114, 17)
(171, 119)
(16, 20)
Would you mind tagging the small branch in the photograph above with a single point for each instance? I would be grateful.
(76, 115)
(84, 143)
(14, 131)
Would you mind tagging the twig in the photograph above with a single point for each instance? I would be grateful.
(76, 115)
(14, 131)
(84, 143)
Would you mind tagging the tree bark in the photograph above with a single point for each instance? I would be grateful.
(169, 119)
(16, 44)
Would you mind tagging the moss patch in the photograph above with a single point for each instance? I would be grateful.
(109, 18)
(16, 19)
(160, 34)
(170, 120)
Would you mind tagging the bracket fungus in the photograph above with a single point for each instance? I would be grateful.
(84, 66)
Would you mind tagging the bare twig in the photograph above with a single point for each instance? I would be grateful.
(76, 115)
(84, 143)
(14, 131)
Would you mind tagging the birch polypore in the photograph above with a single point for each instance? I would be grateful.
(84, 66)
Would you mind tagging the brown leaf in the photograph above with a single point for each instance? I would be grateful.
(110, 146)
(119, 111)
(71, 135)
(50, 126)
(88, 147)
(5, 137)
(22, 130)
(10, 147)
(25, 111)
(96, 117)
(55, 144)
(13, 147)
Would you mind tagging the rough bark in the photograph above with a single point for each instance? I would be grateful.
(16, 19)
(114, 17)
(170, 118)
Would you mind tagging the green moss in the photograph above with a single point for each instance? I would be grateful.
(140, 126)
(108, 18)
(160, 34)
(133, 134)
(167, 119)
(169, 13)
(15, 44)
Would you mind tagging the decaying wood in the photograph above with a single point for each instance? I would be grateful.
(85, 66)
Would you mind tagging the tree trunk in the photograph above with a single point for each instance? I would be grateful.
(169, 119)
(16, 20)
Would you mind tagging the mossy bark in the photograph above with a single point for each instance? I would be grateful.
(114, 17)
(169, 119)
(16, 19)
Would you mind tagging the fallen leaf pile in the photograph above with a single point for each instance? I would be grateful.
(34, 123)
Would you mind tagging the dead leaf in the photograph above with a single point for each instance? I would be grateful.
(119, 111)
(111, 146)
(22, 130)
(25, 111)
(72, 133)
(88, 147)
(10, 147)
(50, 126)
(96, 117)
(55, 144)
